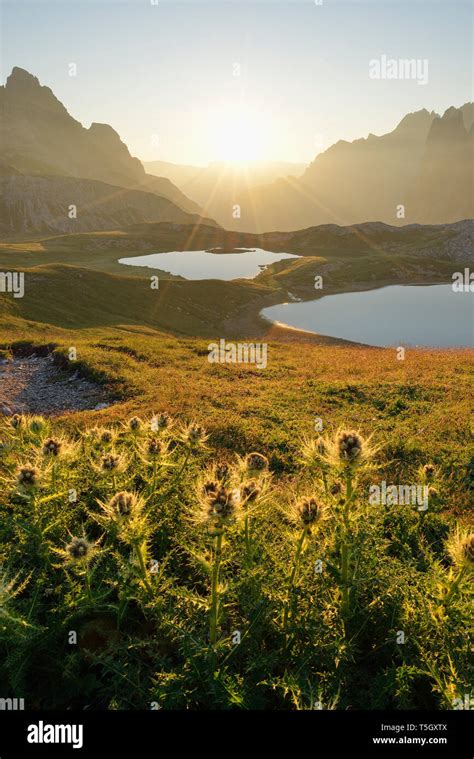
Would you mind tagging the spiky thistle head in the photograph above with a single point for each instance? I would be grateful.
(161, 422)
(313, 452)
(135, 424)
(79, 551)
(155, 447)
(110, 462)
(52, 447)
(428, 473)
(308, 512)
(122, 505)
(194, 435)
(106, 436)
(349, 446)
(17, 421)
(461, 549)
(210, 487)
(468, 549)
(256, 463)
(37, 425)
(219, 508)
(27, 476)
(348, 449)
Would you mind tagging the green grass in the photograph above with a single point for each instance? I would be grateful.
(179, 604)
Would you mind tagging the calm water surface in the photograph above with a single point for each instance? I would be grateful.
(204, 264)
(433, 316)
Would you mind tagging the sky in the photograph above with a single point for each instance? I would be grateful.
(196, 82)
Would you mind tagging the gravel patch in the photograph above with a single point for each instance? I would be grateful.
(36, 384)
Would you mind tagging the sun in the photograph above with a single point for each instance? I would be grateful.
(239, 134)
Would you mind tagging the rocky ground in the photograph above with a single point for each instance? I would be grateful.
(35, 384)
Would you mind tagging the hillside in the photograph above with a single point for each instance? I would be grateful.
(39, 136)
(111, 294)
(33, 205)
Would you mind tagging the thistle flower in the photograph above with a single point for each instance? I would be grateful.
(336, 488)
(348, 448)
(219, 507)
(224, 504)
(305, 514)
(161, 422)
(110, 462)
(313, 451)
(256, 463)
(309, 511)
(79, 551)
(461, 549)
(37, 425)
(194, 435)
(429, 471)
(52, 447)
(106, 436)
(135, 423)
(122, 505)
(468, 549)
(17, 421)
(155, 447)
(27, 476)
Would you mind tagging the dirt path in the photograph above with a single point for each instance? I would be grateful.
(35, 384)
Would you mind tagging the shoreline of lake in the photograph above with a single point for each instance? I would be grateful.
(335, 324)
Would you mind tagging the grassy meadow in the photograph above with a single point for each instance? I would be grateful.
(201, 543)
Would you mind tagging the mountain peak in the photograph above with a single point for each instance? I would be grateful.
(417, 119)
(103, 131)
(21, 77)
(23, 87)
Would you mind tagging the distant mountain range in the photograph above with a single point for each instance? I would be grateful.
(421, 172)
(426, 165)
(39, 138)
(217, 186)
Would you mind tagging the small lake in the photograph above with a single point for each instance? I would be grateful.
(417, 315)
(206, 264)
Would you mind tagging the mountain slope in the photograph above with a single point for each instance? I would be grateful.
(32, 205)
(38, 135)
(445, 186)
(425, 164)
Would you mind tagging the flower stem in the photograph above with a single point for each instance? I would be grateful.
(141, 561)
(215, 590)
(325, 481)
(248, 542)
(294, 571)
(345, 550)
